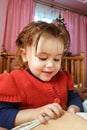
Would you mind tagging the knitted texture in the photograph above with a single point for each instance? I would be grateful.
(21, 86)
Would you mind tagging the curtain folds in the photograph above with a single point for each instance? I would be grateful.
(3, 10)
(19, 14)
(77, 27)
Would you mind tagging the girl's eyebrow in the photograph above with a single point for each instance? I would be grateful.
(42, 53)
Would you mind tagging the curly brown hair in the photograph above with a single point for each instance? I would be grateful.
(26, 37)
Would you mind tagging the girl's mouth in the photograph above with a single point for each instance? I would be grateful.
(47, 73)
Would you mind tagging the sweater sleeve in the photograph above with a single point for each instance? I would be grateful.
(9, 91)
(70, 83)
(74, 99)
(8, 112)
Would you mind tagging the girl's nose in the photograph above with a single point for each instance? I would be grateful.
(50, 64)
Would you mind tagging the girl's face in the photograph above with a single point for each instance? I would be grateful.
(45, 62)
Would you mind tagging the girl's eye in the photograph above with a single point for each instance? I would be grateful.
(56, 60)
(41, 58)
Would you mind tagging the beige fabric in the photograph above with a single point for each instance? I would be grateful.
(67, 122)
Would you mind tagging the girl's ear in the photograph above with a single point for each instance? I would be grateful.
(22, 52)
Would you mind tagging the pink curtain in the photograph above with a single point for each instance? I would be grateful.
(19, 14)
(3, 10)
(77, 27)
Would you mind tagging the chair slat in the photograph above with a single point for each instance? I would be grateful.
(75, 65)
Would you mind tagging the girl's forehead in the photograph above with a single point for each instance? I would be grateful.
(50, 45)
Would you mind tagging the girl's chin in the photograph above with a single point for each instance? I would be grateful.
(46, 79)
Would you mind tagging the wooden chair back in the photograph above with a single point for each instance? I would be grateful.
(6, 60)
(72, 63)
(75, 65)
(1, 64)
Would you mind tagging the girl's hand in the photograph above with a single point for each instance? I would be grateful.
(73, 109)
(53, 111)
(2, 128)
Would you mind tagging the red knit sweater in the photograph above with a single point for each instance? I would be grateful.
(21, 86)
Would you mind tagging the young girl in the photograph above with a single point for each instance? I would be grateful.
(39, 87)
